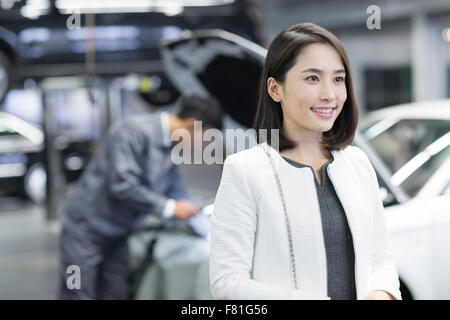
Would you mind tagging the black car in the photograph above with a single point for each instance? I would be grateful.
(62, 37)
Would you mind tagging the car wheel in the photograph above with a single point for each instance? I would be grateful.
(35, 183)
(6, 75)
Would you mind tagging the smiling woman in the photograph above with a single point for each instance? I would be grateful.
(305, 221)
(321, 90)
(312, 63)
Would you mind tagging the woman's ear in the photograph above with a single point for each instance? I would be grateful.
(273, 89)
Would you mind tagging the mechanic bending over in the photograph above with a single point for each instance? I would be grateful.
(132, 176)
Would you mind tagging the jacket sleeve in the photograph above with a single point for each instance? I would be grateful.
(384, 272)
(233, 229)
(126, 171)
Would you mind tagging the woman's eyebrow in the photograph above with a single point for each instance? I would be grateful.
(315, 70)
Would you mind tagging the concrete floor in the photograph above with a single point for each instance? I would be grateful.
(28, 252)
(29, 244)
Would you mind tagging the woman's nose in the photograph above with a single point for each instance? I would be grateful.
(326, 91)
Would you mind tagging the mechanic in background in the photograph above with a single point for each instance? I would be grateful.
(132, 177)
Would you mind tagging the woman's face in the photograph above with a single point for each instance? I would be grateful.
(314, 90)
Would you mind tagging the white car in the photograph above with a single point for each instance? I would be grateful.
(21, 152)
(414, 139)
(419, 230)
(22, 158)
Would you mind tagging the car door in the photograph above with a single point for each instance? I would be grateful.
(411, 238)
(423, 226)
(439, 208)
(436, 193)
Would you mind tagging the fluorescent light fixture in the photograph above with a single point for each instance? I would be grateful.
(172, 10)
(7, 4)
(30, 35)
(35, 8)
(170, 7)
(171, 33)
(105, 32)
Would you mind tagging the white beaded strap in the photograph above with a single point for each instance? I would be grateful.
(288, 227)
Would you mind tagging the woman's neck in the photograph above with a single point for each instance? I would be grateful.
(309, 147)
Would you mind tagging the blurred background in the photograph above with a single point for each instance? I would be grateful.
(71, 69)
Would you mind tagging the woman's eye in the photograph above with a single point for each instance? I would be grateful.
(312, 78)
(339, 79)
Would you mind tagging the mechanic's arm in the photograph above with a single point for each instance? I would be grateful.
(125, 172)
(125, 177)
(179, 204)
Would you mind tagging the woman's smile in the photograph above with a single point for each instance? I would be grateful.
(324, 112)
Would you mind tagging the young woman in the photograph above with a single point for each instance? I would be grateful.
(312, 228)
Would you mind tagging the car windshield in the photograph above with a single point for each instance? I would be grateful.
(413, 176)
(403, 145)
(398, 141)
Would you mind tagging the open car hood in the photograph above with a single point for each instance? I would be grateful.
(217, 63)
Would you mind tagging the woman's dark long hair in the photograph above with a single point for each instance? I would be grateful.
(282, 56)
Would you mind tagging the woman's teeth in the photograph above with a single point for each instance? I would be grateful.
(328, 110)
(324, 112)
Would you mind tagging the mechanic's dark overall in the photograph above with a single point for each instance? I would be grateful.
(133, 176)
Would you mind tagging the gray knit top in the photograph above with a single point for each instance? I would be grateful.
(338, 238)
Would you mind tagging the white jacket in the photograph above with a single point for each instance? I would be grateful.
(249, 254)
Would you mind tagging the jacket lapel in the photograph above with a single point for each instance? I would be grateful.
(350, 191)
(303, 211)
